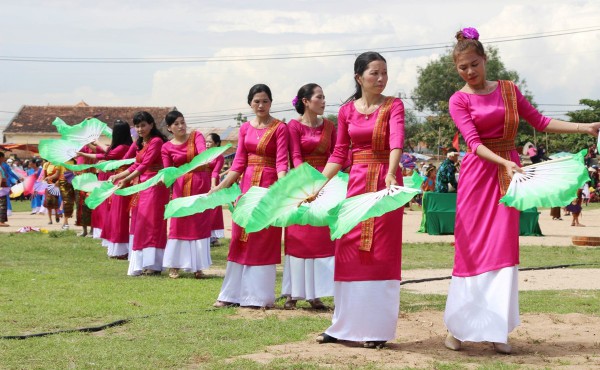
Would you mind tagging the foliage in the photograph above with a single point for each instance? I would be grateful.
(574, 143)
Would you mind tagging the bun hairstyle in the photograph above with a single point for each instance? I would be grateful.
(305, 92)
(258, 88)
(360, 66)
(467, 39)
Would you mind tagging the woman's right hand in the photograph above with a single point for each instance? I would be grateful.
(511, 167)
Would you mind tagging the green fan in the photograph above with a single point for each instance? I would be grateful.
(186, 206)
(316, 213)
(58, 151)
(245, 208)
(413, 181)
(201, 159)
(547, 184)
(86, 182)
(364, 206)
(284, 196)
(100, 194)
(88, 131)
(102, 166)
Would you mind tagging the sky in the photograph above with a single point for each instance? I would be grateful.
(67, 39)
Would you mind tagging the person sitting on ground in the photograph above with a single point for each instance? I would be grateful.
(447, 173)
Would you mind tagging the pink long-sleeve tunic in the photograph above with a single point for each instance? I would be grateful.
(196, 226)
(116, 222)
(383, 260)
(216, 214)
(309, 145)
(263, 247)
(486, 232)
(150, 229)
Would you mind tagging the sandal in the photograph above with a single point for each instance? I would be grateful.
(503, 348)
(452, 343)
(198, 274)
(377, 344)
(173, 273)
(326, 338)
(223, 304)
(289, 304)
(317, 304)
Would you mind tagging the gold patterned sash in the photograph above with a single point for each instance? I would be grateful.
(504, 145)
(260, 160)
(380, 156)
(318, 157)
(190, 154)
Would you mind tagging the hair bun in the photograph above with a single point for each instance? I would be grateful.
(467, 33)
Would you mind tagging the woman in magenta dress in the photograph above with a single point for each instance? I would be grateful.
(262, 158)
(309, 261)
(368, 258)
(188, 246)
(483, 300)
(150, 229)
(217, 229)
(115, 232)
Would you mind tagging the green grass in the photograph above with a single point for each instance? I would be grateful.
(59, 281)
(20, 205)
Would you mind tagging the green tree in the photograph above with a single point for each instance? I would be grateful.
(439, 80)
(239, 119)
(574, 143)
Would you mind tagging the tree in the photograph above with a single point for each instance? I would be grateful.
(239, 119)
(439, 80)
(574, 143)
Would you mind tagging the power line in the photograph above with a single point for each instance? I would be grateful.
(259, 57)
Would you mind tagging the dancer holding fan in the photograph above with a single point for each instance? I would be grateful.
(150, 228)
(188, 246)
(482, 301)
(309, 261)
(217, 229)
(262, 156)
(368, 258)
(115, 232)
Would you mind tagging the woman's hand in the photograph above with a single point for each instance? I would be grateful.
(215, 188)
(592, 128)
(122, 184)
(390, 179)
(511, 168)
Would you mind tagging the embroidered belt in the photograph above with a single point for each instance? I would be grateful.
(315, 160)
(259, 160)
(498, 145)
(371, 157)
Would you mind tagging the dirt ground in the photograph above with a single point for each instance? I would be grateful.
(549, 341)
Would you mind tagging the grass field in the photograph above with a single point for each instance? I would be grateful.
(58, 281)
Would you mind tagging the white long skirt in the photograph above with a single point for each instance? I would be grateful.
(116, 249)
(217, 233)
(148, 258)
(249, 285)
(188, 255)
(365, 310)
(96, 232)
(307, 278)
(483, 307)
(130, 247)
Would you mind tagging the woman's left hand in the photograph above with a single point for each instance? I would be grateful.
(390, 179)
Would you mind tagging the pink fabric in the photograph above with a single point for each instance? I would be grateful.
(384, 260)
(196, 226)
(116, 221)
(150, 226)
(486, 232)
(307, 241)
(216, 214)
(263, 247)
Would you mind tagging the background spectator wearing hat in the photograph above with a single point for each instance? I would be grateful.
(446, 175)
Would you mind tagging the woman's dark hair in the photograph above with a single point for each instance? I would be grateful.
(258, 88)
(305, 92)
(216, 138)
(172, 116)
(360, 66)
(143, 116)
(121, 134)
(463, 44)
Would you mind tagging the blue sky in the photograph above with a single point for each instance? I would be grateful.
(558, 70)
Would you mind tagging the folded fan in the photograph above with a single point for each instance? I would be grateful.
(100, 194)
(364, 206)
(58, 151)
(316, 213)
(104, 166)
(170, 174)
(86, 182)
(85, 132)
(283, 197)
(547, 184)
(187, 206)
